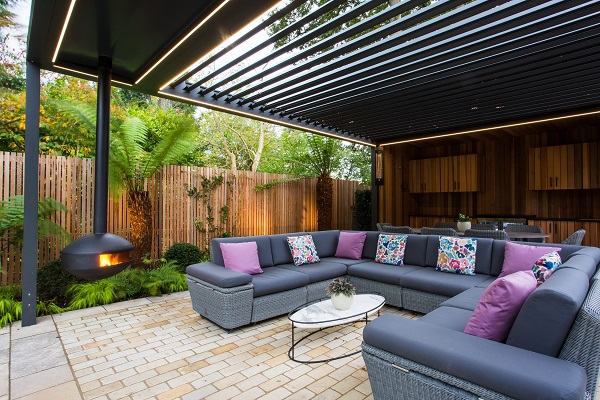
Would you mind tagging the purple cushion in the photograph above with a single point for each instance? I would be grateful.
(350, 245)
(241, 257)
(499, 305)
(521, 257)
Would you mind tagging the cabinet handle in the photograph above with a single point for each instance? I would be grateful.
(453, 185)
(550, 181)
(425, 186)
(550, 228)
(556, 228)
(556, 185)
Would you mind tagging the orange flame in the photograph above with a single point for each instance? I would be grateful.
(107, 260)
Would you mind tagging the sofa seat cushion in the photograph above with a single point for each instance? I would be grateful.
(345, 261)
(582, 262)
(275, 280)
(318, 272)
(592, 252)
(487, 282)
(381, 272)
(505, 369)
(466, 300)
(448, 317)
(436, 282)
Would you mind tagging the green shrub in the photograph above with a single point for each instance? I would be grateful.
(53, 282)
(183, 254)
(361, 211)
(165, 279)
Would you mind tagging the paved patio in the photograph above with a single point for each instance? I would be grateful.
(159, 348)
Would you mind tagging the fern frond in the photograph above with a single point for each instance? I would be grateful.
(172, 146)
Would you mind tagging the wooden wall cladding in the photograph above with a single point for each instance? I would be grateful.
(504, 174)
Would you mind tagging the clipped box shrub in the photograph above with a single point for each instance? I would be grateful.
(183, 254)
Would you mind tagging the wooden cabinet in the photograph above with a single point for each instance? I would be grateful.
(572, 166)
(444, 174)
(559, 230)
(591, 166)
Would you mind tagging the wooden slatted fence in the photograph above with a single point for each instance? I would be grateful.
(285, 207)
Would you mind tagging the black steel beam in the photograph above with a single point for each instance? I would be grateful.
(31, 195)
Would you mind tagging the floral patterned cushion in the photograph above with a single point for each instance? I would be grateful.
(303, 249)
(390, 249)
(546, 265)
(457, 255)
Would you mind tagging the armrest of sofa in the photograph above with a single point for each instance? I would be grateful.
(505, 369)
(218, 275)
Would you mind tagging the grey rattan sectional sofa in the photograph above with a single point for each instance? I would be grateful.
(553, 349)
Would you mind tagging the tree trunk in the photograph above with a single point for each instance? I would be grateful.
(139, 207)
(324, 202)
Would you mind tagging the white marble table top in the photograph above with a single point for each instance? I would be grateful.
(322, 314)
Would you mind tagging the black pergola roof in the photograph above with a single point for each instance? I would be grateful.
(446, 68)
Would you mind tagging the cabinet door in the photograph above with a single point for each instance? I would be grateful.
(415, 182)
(591, 175)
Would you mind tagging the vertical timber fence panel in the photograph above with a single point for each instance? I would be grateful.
(251, 203)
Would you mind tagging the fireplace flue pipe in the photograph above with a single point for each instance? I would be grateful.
(102, 141)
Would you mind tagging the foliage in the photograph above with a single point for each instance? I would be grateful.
(309, 7)
(10, 305)
(205, 193)
(128, 284)
(274, 183)
(183, 254)
(463, 218)
(12, 65)
(341, 286)
(53, 282)
(12, 221)
(361, 211)
(100, 292)
(234, 142)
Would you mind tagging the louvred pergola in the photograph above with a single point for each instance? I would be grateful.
(451, 67)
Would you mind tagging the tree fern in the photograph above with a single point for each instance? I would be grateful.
(12, 218)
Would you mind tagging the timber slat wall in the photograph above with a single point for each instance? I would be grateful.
(286, 207)
(504, 174)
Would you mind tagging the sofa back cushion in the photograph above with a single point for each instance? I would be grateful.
(263, 243)
(582, 262)
(482, 256)
(370, 247)
(499, 305)
(416, 251)
(549, 312)
(326, 242)
(281, 249)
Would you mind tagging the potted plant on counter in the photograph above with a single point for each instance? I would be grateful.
(464, 222)
(342, 293)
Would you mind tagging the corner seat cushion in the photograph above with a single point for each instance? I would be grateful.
(275, 280)
(593, 252)
(318, 272)
(345, 261)
(448, 317)
(583, 263)
(484, 362)
(218, 275)
(437, 282)
(466, 300)
(381, 272)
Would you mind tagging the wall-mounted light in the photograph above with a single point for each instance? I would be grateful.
(379, 165)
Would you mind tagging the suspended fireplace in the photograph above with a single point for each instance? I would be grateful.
(100, 254)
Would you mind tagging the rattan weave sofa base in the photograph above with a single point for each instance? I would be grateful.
(422, 302)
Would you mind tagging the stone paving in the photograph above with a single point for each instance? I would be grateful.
(159, 348)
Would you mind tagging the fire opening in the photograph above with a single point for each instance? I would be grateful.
(108, 260)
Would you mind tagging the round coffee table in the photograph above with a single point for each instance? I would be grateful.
(321, 314)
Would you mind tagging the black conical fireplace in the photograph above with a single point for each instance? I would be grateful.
(100, 254)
